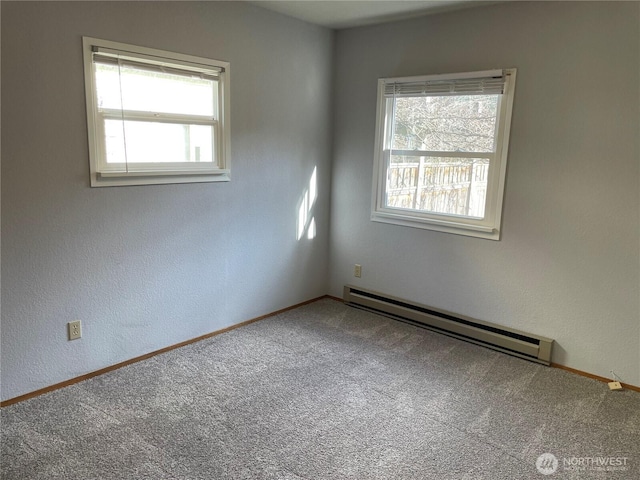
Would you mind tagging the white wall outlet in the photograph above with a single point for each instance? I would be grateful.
(357, 270)
(75, 329)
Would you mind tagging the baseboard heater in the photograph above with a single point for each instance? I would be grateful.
(507, 340)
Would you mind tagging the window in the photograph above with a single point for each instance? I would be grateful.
(441, 151)
(155, 116)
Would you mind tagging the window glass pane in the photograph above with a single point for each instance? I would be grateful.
(150, 91)
(442, 185)
(147, 142)
(463, 123)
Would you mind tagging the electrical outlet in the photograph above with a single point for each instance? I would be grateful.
(357, 270)
(75, 329)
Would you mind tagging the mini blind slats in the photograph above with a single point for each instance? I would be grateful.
(145, 63)
(463, 86)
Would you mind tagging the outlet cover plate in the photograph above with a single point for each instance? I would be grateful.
(74, 329)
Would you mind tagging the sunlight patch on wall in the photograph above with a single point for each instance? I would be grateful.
(306, 220)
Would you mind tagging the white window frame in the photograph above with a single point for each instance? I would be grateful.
(488, 227)
(103, 174)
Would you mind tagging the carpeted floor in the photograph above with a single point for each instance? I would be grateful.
(324, 392)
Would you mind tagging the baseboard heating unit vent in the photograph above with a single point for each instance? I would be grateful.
(508, 340)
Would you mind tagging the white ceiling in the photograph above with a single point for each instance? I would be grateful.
(347, 13)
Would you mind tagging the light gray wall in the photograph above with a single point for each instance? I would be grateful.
(568, 263)
(147, 267)
(151, 266)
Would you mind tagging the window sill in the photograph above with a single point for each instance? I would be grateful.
(113, 179)
(445, 226)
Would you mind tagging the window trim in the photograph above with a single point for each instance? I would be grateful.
(156, 173)
(490, 226)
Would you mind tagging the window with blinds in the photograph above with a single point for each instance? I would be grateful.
(441, 151)
(155, 116)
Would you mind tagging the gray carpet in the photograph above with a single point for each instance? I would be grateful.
(323, 392)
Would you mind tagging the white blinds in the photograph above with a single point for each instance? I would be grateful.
(491, 84)
(146, 62)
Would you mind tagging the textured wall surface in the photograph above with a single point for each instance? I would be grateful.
(147, 267)
(150, 266)
(568, 263)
